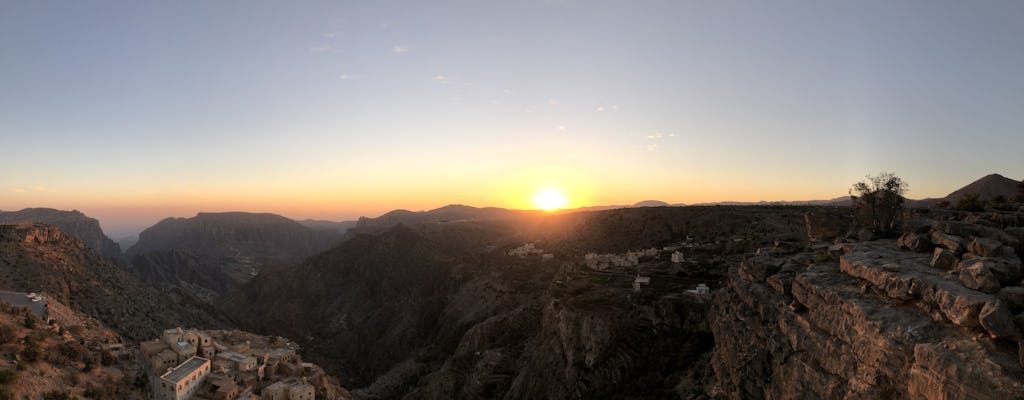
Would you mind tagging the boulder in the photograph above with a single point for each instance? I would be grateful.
(915, 242)
(1007, 271)
(998, 321)
(1012, 296)
(984, 247)
(918, 225)
(950, 242)
(943, 259)
(978, 276)
(865, 235)
(759, 268)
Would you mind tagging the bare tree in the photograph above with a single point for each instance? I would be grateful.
(878, 202)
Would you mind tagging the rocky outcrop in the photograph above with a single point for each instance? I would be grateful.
(40, 258)
(827, 224)
(215, 253)
(73, 223)
(876, 321)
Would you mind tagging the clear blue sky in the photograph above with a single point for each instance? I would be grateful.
(131, 111)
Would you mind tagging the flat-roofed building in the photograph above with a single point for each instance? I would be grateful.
(276, 391)
(242, 362)
(181, 382)
(160, 362)
(302, 391)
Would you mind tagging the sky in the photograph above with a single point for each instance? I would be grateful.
(132, 111)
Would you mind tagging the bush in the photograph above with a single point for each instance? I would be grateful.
(7, 376)
(31, 352)
(7, 333)
(56, 395)
(878, 203)
(969, 202)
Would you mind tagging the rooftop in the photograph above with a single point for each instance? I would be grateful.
(185, 369)
(233, 356)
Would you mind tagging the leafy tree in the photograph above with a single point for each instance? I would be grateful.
(1020, 192)
(878, 202)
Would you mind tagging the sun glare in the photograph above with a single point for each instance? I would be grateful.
(550, 199)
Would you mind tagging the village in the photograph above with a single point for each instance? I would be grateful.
(232, 365)
(668, 265)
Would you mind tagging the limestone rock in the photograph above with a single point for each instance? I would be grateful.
(950, 242)
(943, 259)
(978, 276)
(984, 247)
(998, 321)
(759, 268)
(915, 242)
(1012, 296)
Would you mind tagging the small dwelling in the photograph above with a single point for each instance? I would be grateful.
(640, 280)
(677, 257)
(701, 289)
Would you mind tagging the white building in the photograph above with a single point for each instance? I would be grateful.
(677, 257)
(640, 280)
(701, 289)
(181, 382)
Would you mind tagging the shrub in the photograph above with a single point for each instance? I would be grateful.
(969, 202)
(878, 202)
(7, 375)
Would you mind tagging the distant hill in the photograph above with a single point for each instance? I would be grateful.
(213, 253)
(651, 203)
(987, 187)
(449, 213)
(324, 225)
(838, 201)
(73, 223)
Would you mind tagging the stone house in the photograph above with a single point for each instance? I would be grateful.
(181, 382)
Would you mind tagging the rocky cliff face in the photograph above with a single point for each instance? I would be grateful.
(930, 316)
(214, 253)
(43, 258)
(73, 223)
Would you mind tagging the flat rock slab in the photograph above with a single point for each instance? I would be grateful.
(907, 276)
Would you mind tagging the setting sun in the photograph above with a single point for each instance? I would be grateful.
(550, 199)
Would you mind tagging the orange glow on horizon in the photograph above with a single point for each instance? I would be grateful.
(550, 199)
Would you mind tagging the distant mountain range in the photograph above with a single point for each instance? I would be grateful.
(217, 252)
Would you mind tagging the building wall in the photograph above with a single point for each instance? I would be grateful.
(167, 390)
(304, 391)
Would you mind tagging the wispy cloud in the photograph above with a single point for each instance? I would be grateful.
(552, 101)
(602, 108)
(332, 35)
(321, 48)
(346, 77)
(400, 49)
(444, 80)
(561, 128)
(656, 137)
(36, 189)
(659, 135)
(508, 92)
